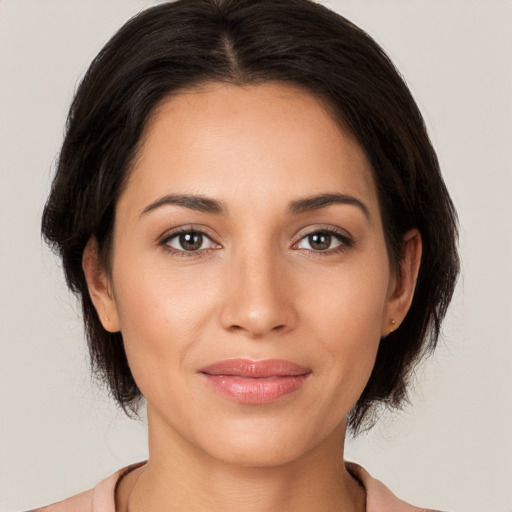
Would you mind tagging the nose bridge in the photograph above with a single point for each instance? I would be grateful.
(258, 299)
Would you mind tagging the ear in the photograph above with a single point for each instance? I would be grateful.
(403, 284)
(100, 289)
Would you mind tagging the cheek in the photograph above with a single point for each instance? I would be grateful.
(350, 300)
(347, 316)
(162, 315)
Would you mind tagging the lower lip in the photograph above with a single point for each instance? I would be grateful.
(255, 391)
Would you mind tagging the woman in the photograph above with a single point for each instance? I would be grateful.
(251, 212)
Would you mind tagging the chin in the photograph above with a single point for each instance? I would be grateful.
(255, 455)
(262, 444)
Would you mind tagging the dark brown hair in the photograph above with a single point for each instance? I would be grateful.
(177, 45)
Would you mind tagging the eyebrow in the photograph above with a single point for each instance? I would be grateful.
(192, 202)
(308, 204)
(303, 205)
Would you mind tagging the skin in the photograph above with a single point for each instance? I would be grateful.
(257, 288)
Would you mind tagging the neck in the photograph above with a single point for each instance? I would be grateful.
(179, 476)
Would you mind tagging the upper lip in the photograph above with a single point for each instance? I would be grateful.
(255, 369)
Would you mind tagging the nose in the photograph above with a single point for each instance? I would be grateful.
(259, 297)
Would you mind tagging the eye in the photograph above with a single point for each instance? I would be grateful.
(189, 241)
(322, 241)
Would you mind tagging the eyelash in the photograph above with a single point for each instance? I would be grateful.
(346, 242)
(345, 239)
(182, 253)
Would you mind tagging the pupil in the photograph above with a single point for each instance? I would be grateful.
(191, 241)
(320, 241)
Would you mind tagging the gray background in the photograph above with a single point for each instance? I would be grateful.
(60, 434)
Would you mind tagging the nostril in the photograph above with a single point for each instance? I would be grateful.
(256, 314)
(254, 332)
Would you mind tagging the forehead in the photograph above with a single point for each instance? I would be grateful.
(223, 140)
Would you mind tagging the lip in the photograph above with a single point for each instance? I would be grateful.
(255, 382)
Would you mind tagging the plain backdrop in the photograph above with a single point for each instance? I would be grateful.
(452, 449)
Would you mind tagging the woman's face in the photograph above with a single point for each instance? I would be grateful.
(250, 278)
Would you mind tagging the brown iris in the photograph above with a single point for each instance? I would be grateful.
(320, 241)
(191, 241)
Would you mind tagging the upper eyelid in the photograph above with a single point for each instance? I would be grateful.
(343, 233)
(187, 228)
(346, 240)
(163, 242)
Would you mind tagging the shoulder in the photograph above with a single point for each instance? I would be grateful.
(82, 502)
(99, 499)
(378, 497)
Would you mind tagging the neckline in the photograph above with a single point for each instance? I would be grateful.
(355, 471)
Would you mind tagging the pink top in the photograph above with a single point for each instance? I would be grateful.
(101, 499)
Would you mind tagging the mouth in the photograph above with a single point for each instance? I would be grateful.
(255, 382)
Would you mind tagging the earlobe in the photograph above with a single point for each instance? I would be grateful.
(404, 283)
(99, 287)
